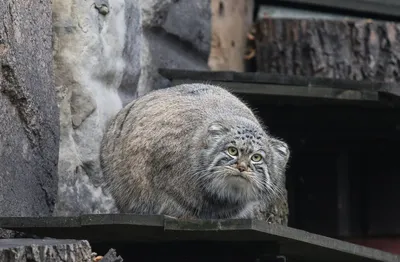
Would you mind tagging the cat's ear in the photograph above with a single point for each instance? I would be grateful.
(281, 150)
(214, 131)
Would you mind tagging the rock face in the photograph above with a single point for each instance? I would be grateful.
(29, 130)
(41, 250)
(164, 42)
(89, 67)
(107, 53)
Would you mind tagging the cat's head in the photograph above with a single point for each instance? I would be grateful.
(242, 163)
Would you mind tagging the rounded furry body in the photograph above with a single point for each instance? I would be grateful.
(191, 151)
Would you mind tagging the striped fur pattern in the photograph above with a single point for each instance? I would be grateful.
(189, 152)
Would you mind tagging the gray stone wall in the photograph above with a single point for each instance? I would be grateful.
(29, 118)
(107, 53)
(104, 54)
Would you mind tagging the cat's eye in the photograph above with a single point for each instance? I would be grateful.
(256, 158)
(232, 151)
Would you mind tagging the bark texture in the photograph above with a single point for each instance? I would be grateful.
(45, 250)
(339, 49)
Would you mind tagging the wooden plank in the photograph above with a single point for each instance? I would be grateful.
(389, 8)
(279, 79)
(325, 89)
(131, 228)
(388, 244)
(325, 94)
(274, 11)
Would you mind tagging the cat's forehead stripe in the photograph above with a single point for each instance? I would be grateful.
(248, 132)
(248, 144)
(247, 137)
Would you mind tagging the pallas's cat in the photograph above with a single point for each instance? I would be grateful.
(191, 151)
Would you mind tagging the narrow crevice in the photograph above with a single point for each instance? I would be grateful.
(22, 103)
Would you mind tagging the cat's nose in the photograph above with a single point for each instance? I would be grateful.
(242, 167)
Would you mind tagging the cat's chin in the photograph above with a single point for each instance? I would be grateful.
(236, 190)
(233, 186)
(238, 183)
(237, 187)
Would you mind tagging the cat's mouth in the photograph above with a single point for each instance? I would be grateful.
(235, 173)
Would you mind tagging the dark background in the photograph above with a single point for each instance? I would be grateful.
(343, 177)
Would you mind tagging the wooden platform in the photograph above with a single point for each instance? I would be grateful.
(388, 9)
(134, 229)
(292, 89)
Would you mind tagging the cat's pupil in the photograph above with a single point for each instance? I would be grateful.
(233, 151)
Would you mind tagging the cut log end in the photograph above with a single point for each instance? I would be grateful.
(36, 250)
(340, 49)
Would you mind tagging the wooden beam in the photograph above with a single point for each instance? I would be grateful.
(292, 91)
(361, 50)
(370, 8)
(233, 233)
(230, 23)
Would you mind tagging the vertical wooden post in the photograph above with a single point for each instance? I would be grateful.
(231, 21)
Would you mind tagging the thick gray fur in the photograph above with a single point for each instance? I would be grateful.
(166, 153)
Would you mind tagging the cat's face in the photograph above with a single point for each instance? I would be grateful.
(242, 162)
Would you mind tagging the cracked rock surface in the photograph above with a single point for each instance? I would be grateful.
(107, 53)
(45, 250)
(29, 129)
